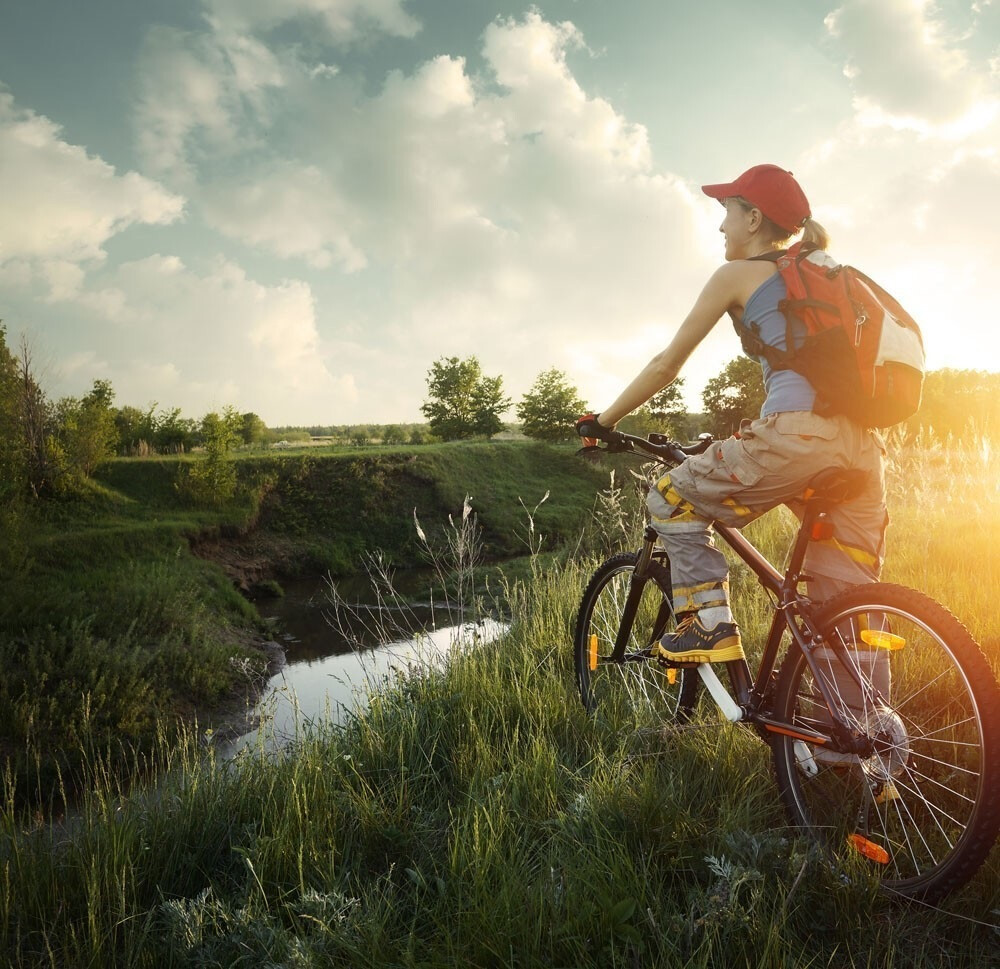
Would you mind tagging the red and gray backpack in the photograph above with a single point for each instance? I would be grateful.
(863, 353)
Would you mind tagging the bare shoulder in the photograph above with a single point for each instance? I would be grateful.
(734, 282)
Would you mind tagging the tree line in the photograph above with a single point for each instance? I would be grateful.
(48, 447)
(464, 403)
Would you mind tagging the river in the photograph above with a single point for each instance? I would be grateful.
(344, 641)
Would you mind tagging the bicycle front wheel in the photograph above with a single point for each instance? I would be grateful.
(922, 807)
(632, 688)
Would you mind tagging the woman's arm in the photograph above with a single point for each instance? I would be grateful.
(721, 293)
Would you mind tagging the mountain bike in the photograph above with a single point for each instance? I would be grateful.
(883, 717)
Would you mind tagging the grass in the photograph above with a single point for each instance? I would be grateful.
(475, 816)
(113, 603)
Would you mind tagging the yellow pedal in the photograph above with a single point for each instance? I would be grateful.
(888, 793)
(592, 658)
(672, 676)
(882, 640)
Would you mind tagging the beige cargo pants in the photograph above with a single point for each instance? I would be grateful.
(769, 462)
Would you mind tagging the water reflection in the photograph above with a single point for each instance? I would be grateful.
(336, 656)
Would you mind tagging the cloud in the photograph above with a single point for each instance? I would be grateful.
(341, 21)
(908, 70)
(208, 93)
(311, 214)
(488, 208)
(61, 205)
(204, 338)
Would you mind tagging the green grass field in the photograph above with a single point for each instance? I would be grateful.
(476, 817)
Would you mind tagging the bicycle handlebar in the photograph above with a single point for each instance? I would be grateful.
(657, 446)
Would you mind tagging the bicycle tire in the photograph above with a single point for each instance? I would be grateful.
(923, 810)
(638, 690)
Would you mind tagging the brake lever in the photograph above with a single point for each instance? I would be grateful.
(591, 453)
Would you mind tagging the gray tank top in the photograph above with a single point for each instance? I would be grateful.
(785, 389)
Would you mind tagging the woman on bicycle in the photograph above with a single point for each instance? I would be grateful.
(769, 461)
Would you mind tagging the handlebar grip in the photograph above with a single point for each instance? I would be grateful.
(591, 429)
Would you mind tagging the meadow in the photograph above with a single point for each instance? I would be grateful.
(473, 815)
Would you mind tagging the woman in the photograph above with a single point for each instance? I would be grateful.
(770, 460)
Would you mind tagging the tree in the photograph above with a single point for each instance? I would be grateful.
(462, 402)
(735, 395)
(13, 466)
(174, 434)
(213, 480)
(86, 429)
(641, 423)
(136, 429)
(393, 434)
(488, 403)
(253, 430)
(548, 411)
(13, 471)
(668, 410)
(42, 462)
(360, 436)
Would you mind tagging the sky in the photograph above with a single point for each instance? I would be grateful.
(295, 207)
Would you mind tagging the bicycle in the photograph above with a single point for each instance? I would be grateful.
(883, 717)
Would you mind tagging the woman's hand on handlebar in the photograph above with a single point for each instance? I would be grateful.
(592, 430)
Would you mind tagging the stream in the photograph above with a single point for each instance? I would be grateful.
(335, 656)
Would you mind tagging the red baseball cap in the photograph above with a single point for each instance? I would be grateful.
(772, 190)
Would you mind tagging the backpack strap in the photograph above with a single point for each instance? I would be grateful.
(749, 334)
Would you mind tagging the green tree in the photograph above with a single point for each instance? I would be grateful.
(136, 429)
(86, 429)
(13, 471)
(462, 402)
(548, 411)
(668, 410)
(174, 434)
(213, 480)
(42, 457)
(488, 403)
(641, 422)
(736, 394)
(253, 430)
(393, 434)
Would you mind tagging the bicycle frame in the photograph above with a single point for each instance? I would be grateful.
(792, 612)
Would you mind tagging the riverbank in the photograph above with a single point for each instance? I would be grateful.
(128, 611)
(475, 816)
(471, 816)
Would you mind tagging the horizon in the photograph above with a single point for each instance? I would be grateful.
(296, 208)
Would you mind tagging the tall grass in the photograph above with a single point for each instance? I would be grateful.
(473, 815)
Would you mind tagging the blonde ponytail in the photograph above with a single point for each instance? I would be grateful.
(813, 234)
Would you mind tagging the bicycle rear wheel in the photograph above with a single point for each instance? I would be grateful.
(923, 808)
(634, 689)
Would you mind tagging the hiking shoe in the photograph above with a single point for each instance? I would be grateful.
(691, 642)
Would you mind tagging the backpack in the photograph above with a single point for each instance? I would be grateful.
(863, 353)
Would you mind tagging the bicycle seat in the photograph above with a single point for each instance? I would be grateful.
(836, 485)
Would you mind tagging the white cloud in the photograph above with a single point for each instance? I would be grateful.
(61, 205)
(339, 20)
(495, 209)
(292, 210)
(506, 213)
(908, 69)
(205, 93)
(205, 338)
